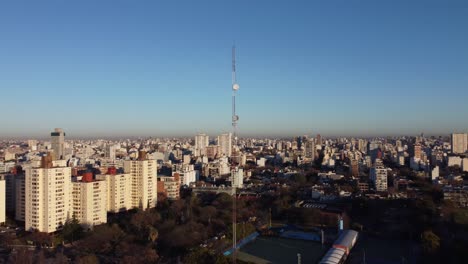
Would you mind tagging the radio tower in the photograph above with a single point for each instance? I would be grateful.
(235, 118)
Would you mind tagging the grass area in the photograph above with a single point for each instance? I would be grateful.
(282, 250)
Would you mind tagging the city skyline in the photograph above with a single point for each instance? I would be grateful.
(120, 69)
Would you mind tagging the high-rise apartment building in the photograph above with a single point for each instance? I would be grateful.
(417, 151)
(225, 144)
(143, 173)
(201, 142)
(110, 151)
(354, 166)
(378, 176)
(119, 190)
(2, 200)
(20, 197)
(459, 143)
(309, 149)
(237, 177)
(89, 200)
(48, 199)
(58, 143)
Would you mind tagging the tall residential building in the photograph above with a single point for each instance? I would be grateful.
(58, 143)
(10, 191)
(201, 142)
(119, 190)
(89, 200)
(362, 145)
(309, 149)
(237, 177)
(20, 197)
(144, 184)
(354, 166)
(318, 139)
(48, 199)
(459, 143)
(2, 200)
(417, 151)
(212, 151)
(110, 151)
(378, 176)
(225, 144)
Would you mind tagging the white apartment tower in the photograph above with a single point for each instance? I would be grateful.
(237, 177)
(378, 176)
(144, 181)
(89, 199)
(201, 142)
(58, 143)
(119, 190)
(225, 144)
(48, 200)
(110, 151)
(2, 201)
(459, 143)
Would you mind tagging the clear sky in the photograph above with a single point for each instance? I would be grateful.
(162, 68)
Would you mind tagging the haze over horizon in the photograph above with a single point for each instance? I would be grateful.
(117, 68)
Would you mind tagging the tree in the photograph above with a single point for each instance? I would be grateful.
(88, 259)
(153, 234)
(72, 230)
(430, 242)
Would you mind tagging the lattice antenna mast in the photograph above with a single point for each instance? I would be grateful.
(235, 118)
(235, 88)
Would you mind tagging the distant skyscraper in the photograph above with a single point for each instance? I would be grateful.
(318, 139)
(225, 144)
(362, 145)
(378, 176)
(201, 142)
(48, 201)
(110, 151)
(58, 143)
(354, 165)
(459, 143)
(309, 149)
(417, 151)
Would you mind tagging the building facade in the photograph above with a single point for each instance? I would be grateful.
(378, 176)
(58, 143)
(144, 181)
(119, 191)
(225, 144)
(201, 142)
(459, 143)
(2, 200)
(48, 199)
(89, 200)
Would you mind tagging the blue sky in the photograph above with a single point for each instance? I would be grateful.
(162, 68)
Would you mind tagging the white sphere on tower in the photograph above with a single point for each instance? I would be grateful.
(235, 87)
